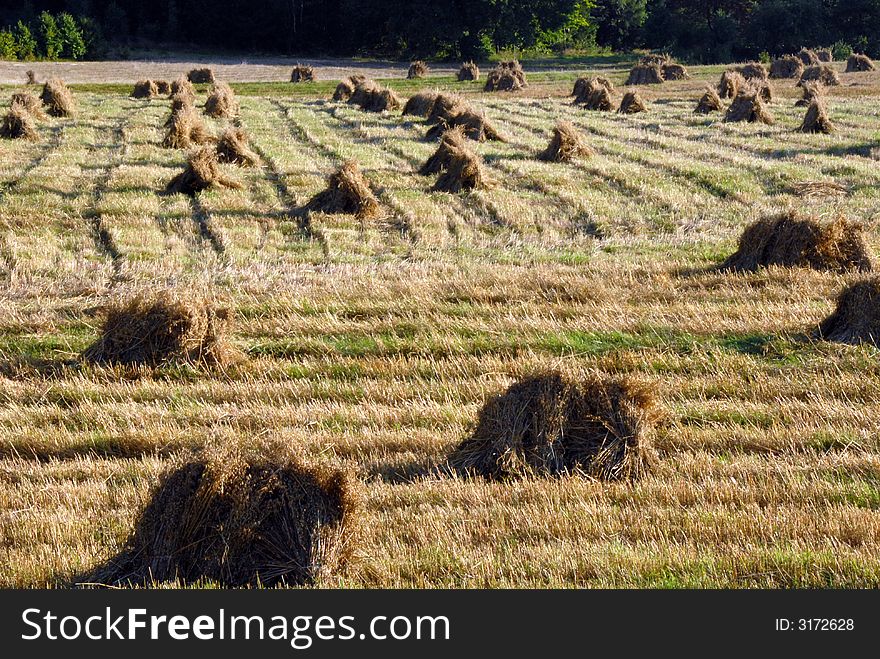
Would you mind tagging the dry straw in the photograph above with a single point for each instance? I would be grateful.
(18, 124)
(151, 329)
(823, 73)
(792, 240)
(632, 103)
(302, 73)
(463, 171)
(787, 67)
(709, 102)
(808, 57)
(731, 83)
(468, 71)
(856, 318)
(221, 102)
(201, 76)
(233, 148)
(816, 120)
(29, 103)
(347, 191)
(858, 62)
(566, 145)
(645, 74)
(551, 423)
(145, 89)
(506, 77)
(417, 69)
(475, 126)
(748, 106)
(674, 71)
(57, 98)
(753, 71)
(202, 171)
(185, 129)
(261, 518)
(420, 105)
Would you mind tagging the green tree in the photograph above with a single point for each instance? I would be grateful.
(619, 23)
(49, 37)
(8, 50)
(73, 44)
(25, 44)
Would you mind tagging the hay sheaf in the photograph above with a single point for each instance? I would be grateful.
(347, 191)
(810, 91)
(566, 145)
(550, 424)
(825, 55)
(645, 74)
(445, 107)
(807, 57)
(183, 87)
(632, 103)
(201, 76)
(57, 98)
(346, 87)
(163, 87)
(763, 89)
(302, 73)
(823, 73)
(674, 71)
(709, 102)
(786, 67)
(468, 71)
(155, 329)
(816, 120)
(856, 317)
(241, 519)
(185, 129)
(858, 62)
(370, 97)
(463, 171)
(31, 77)
(506, 77)
(599, 100)
(18, 124)
(748, 106)
(145, 89)
(233, 148)
(475, 126)
(420, 105)
(753, 71)
(584, 87)
(417, 69)
(792, 240)
(202, 171)
(29, 103)
(221, 102)
(730, 84)
(452, 139)
(655, 59)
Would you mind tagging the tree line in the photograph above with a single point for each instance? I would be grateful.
(693, 30)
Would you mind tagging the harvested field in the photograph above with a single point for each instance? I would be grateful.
(374, 341)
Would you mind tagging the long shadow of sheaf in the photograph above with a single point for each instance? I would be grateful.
(50, 146)
(205, 225)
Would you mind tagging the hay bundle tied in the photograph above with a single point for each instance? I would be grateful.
(347, 191)
(599, 100)
(645, 74)
(370, 97)
(201, 76)
(57, 98)
(185, 128)
(29, 103)
(475, 126)
(810, 91)
(792, 240)
(674, 71)
(346, 87)
(463, 171)
(859, 62)
(816, 120)
(18, 124)
(417, 69)
(709, 102)
(754, 71)
(420, 105)
(302, 73)
(551, 423)
(655, 59)
(730, 84)
(452, 139)
(163, 87)
(583, 87)
(763, 89)
(823, 73)
(236, 519)
(506, 77)
(145, 89)
(632, 103)
(825, 55)
(31, 78)
(808, 57)
(155, 329)
(468, 71)
(221, 102)
(202, 171)
(566, 145)
(787, 67)
(445, 107)
(233, 148)
(183, 87)
(856, 317)
(748, 106)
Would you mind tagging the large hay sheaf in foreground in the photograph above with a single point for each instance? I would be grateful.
(748, 106)
(709, 102)
(816, 120)
(462, 171)
(632, 103)
(233, 148)
(18, 124)
(185, 129)
(856, 318)
(791, 240)
(57, 98)
(566, 145)
(29, 103)
(154, 329)
(202, 171)
(347, 191)
(221, 102)
(238, 521)
(552, 424)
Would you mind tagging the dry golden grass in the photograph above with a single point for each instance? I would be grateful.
(374, 342)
